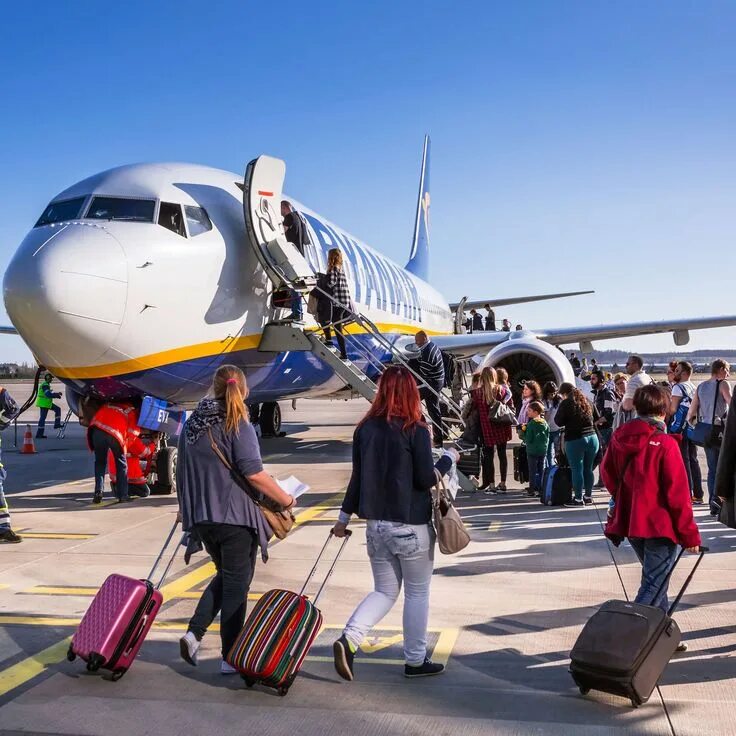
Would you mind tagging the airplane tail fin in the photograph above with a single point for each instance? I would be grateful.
(419, 257)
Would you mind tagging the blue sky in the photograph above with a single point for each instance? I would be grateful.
(575, 144)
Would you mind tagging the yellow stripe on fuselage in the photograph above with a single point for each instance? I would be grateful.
(202, 350)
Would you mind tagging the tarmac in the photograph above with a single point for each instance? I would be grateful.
(504, 615)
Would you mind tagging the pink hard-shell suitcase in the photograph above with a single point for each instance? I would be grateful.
(119, 619)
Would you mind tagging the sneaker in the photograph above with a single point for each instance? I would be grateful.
(227, 669)
(126, 499)
(531, 493)
(97, 498)
(501, 488)
(587, 499)
(576, 503)
(681, 647)
(490, 490)
(698, 501)
(8, 536)
(344, 657)
(188, 646)
(427, 669)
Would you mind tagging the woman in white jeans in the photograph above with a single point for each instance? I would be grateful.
(393, 472)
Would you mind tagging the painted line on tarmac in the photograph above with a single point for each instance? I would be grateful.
(494, 526)
(29, 668)
(54, 535)
(90, 591)
(20, 673)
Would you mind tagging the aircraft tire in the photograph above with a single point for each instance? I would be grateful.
(165, 472)
(270, 419)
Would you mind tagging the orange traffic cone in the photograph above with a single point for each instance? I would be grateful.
(28, 446)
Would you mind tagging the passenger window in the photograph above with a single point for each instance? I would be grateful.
(198, 221)
(169, 216)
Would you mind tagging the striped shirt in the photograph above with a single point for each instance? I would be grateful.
(431, 366)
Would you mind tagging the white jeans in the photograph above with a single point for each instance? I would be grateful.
(398, 553)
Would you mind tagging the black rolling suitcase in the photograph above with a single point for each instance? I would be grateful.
(625, 647)
(521, 467)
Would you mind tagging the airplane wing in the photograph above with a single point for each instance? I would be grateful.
(514, 300)
(464, 346)
(8, 330)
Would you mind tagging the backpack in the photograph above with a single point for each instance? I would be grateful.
(677, 423)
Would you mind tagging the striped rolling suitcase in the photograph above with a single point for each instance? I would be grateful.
(279, 632)
(118, 619)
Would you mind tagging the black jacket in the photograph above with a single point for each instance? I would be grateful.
(575, 423)
(601, 397)
(393, 471)
(726, 473)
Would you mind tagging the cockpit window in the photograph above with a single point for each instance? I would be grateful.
(198, 220)
(169, 216)
(67, 209)
(117, 208)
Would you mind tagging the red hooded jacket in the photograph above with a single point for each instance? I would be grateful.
(644, 472)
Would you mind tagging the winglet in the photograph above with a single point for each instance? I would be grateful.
(419, 257)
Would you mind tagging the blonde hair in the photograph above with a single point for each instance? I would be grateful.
(229, 385)
(488, 383)
(502, 375)
(334, 259)
(619, 376)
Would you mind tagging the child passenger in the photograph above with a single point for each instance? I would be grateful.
(535, 434)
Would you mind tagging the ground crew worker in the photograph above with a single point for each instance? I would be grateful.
(108, 432)
(138, 454)
(45, 402)
(8, 411)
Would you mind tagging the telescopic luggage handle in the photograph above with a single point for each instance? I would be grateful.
(677, 600)
(348, 534)
(161, 554)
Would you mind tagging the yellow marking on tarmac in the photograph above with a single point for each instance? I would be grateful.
(381, 642)
(4, 585)
(11, 620)
(494, 526)
(56, 535)
(444, 646)
(33, 666)
(58, 590)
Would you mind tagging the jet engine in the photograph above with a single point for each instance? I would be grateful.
(527, 358)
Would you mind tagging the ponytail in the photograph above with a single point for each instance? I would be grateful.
(230, 385)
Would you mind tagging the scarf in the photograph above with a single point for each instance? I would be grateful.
(656, 423)
(209, 413)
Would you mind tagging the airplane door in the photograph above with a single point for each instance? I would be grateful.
(264, 179)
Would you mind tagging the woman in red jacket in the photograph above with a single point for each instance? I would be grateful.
(650, 504)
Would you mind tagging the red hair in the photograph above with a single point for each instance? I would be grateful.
(397, 398)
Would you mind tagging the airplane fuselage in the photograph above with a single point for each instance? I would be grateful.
(123, 308)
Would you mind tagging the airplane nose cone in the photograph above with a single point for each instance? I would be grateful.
(65, 291)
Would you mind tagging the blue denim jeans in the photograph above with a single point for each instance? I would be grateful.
(296, 305)
(711, 456)
(399, 553)
(552, 445)
(581, 455)
(536, 471)
(657, 555)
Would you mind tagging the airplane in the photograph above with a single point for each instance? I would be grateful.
(143, 279)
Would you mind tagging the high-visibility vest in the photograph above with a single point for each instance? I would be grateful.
(115, 420)
(43, 401)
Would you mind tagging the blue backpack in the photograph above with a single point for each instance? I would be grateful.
(677, 423)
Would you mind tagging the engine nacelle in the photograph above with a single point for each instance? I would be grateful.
(527, 358)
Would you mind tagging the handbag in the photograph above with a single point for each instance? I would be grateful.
(500, 413)
(452, 535)
(279, 520)
(707, 434)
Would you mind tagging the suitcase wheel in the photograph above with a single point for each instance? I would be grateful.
(94, 662)
(117, 675)
(283, 690)
(70, 654)
(249, 681)
(584, 690)
(634, 703)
